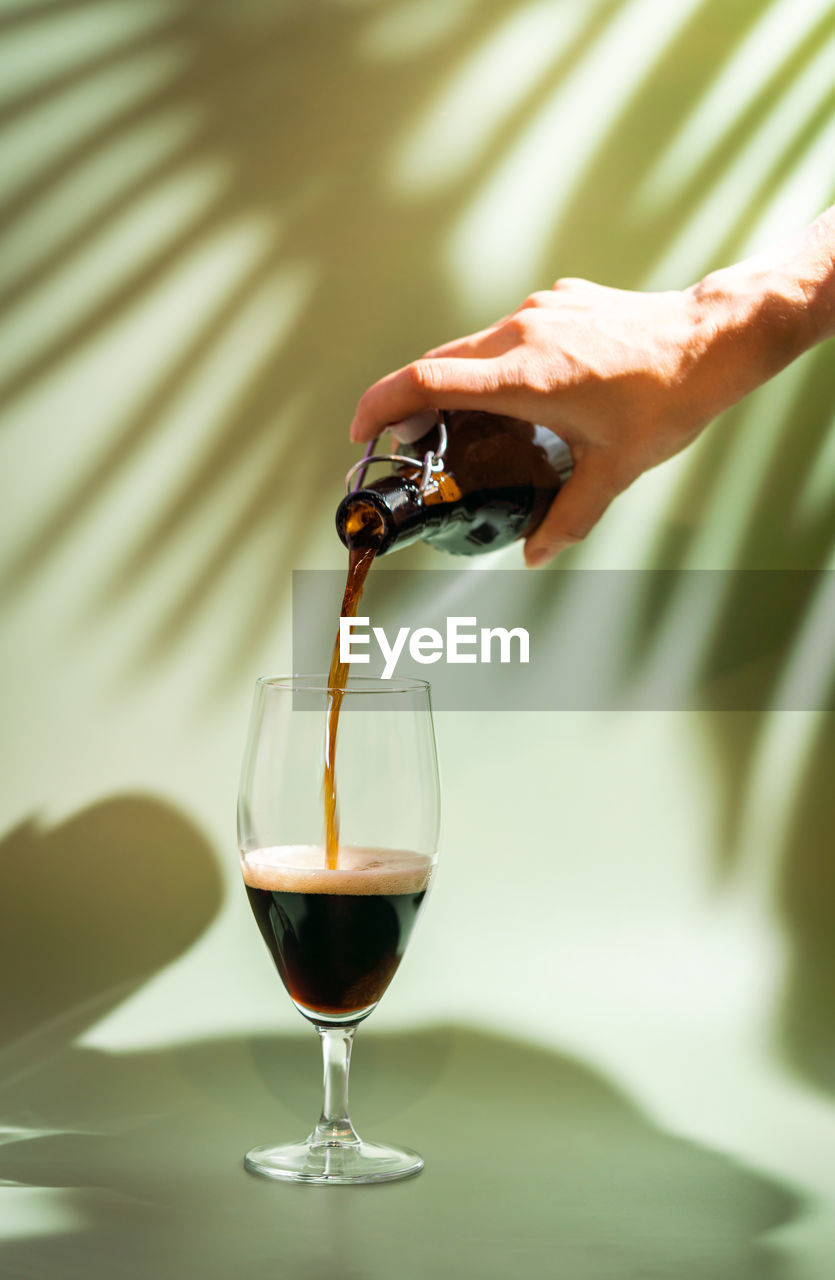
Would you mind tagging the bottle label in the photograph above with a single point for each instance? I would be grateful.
(556, 449)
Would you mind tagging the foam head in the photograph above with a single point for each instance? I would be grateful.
(302, 869)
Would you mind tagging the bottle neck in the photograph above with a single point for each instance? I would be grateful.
(497, 479)
(390, 513)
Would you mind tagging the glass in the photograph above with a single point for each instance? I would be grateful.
(338, 936)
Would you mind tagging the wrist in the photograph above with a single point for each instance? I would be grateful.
(780, 302)
(757, 316)
(747, 327)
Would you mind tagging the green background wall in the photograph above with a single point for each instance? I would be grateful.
(614, 1036)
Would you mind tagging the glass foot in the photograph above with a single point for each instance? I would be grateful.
(337, 1163)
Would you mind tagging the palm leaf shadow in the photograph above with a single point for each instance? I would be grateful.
(284, 101)
(257, 98)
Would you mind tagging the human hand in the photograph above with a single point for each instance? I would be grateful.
(627, 379)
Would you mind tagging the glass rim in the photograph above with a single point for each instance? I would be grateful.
(354, 685)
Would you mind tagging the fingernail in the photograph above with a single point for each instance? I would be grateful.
(537, 557)
(414, 427)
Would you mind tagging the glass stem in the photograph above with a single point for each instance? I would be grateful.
(334, 1123)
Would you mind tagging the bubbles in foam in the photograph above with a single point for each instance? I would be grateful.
(301, 868)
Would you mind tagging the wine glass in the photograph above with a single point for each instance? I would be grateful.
(337, 935)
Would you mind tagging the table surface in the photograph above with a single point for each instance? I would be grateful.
(130, 1165)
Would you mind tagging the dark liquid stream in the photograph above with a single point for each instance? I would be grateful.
(360, 557)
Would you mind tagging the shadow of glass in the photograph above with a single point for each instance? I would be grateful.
(300, 120)
(90, 909)
(534, 1165)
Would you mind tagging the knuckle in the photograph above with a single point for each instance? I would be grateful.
(569, 284)
(572, 536)
(520, 326)
(542, 298)
(422, 375)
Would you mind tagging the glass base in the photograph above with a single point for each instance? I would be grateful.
(336, 1163)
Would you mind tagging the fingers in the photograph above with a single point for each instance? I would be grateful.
(445, 383)
(456, 375)
(575, 510)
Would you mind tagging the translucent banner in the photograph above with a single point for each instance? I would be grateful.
(515, 640)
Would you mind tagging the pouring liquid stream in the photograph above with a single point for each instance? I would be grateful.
(366, 535)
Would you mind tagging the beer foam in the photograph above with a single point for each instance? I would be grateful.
(301, 868)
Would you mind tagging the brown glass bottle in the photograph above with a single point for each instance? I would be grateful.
(493, 484)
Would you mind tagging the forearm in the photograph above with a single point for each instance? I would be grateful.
(817, 247)
(768, 309)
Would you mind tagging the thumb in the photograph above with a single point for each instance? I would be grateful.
(574, 512)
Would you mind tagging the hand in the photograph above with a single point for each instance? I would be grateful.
(627, 379)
